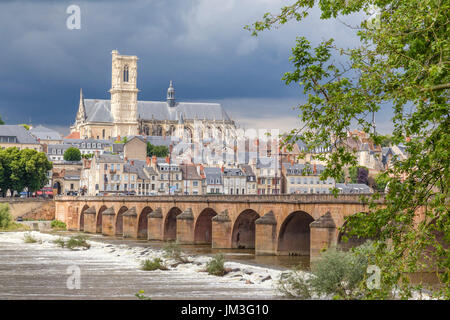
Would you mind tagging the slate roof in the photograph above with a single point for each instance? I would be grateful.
(100, 111)
(212, 173)
(19, 132)
(44, 133)
(353, 188)
(302, 169)
(107, 158)
(233, 172)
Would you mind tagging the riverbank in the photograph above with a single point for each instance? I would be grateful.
(112, 271)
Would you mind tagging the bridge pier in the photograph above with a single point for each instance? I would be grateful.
(155, 225)
(323, 235)
(266, 235)
(130, 224)
(89, 220)
(108, 222)
(185, 227)
(221, 231)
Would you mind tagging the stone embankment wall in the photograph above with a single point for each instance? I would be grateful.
(31, 208)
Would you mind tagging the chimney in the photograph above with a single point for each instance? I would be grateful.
(154, 160)
(126, 159)
(147, 161)
(132, 162)
(118, 138)
(223, 169)
(315, 169)
(292, 162)
(167, 159)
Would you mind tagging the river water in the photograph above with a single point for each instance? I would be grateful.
(110, 269)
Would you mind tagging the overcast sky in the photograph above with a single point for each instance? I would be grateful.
(199, 44)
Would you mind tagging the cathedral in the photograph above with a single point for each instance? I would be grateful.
(123, 115)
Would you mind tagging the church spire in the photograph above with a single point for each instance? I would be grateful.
(171, 95)
(81, 116)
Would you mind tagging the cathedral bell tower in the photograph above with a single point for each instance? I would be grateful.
(124, 94)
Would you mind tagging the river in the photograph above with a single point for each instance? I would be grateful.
(110, 269)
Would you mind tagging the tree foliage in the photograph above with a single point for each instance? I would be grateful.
(1, 121)
(402, 60)
(159, 151)
(20, 169)
(72, 154)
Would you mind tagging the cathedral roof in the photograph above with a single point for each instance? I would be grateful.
(100, 111)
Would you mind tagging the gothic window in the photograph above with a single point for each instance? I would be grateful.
(125, 74)
(146, 130)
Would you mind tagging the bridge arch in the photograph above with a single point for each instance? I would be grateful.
(345, 241)
(119, 221)
(143, 223)
(294, 235)
(170, 224)
(99, 219)
(203, 226)
(243, 235)
(81, 221)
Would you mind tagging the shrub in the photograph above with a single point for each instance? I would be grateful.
(173, 251)
(337, 273)
(155, 264)
(141, 296)
(216, 265)
(77, 242)
(28, 238)
(56, 224)
(60, 242)
(6, 218)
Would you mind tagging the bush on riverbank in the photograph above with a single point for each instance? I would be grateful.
(151, 265)
(58, 225)
(216, 265)
(6, 220)
(340, 274)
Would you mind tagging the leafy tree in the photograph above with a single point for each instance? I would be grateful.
(358, 174)
(72, 154)
(402, 60)
(20, 169)
(26, 126)
(1, 121)
(159, 151)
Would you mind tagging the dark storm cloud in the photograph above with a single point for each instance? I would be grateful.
(200, 44)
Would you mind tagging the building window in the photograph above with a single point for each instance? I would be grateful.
(125, 74)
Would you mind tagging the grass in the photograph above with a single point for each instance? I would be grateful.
(28, 238)
(151, 265)
(141, 296)
(58, 225)
(77, 242)
(60, 242)
(216, 265)
(173, 251)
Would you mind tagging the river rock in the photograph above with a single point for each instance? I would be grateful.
(266, 278)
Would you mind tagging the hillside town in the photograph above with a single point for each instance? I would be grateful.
(123, 166)
(123, 146)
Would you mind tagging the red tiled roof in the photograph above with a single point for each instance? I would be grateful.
(73, 135)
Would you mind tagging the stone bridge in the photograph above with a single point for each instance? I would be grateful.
(297, 224)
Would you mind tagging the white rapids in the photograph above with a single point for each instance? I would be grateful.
(40, 271)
